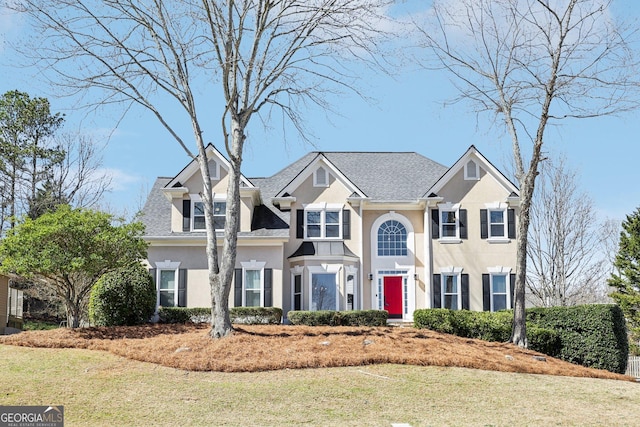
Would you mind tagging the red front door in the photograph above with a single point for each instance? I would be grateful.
(393, 296)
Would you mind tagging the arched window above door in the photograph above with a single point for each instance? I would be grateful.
(392, 239)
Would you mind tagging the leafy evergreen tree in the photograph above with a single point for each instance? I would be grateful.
(68, 250)
(626, 278)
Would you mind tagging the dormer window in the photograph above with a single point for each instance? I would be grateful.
(471, 171)
(197, 214)
(321, 177)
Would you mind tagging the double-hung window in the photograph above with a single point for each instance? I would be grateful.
(449, 223)
(450, 291)
(168, 288)
(497, 223)
(323, 222)
(219, 214)
(499, 292)
(253, 288)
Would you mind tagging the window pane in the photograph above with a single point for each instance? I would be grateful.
(500, 284)
(252, 279)
(167, 279)
(313, 217)
(252, 299)
(297, 287)
(450, 284)
(448, 231)
(497, 217)
(333, 231)
(313, 231)
(448, 217)
(219, 208)
(198, 208)
(332, 217)
(167, 299)
(451, 302)
(297, 302)
(499, 302)
(323, 291)
(497, 230)
(218, 222)
(198, 223)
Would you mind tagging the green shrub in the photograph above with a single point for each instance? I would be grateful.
(544, 340)
(590, 335)
(245, 315)
(256, 315)
(126, 296)
(339, 318)
(184, 315)
(464, 323)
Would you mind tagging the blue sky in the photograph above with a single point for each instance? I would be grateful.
(407, 114)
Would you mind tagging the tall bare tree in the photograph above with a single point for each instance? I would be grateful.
(248, 55)
(568, 259)
(529, 64)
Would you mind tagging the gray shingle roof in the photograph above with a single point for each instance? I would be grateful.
(388, 176)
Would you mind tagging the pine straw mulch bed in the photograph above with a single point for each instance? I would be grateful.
(262, 348)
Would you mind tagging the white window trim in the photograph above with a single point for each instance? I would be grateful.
(324, 269)
(500, 271)
(252, 265)
(167, 265)
(467, 176)
(316, 182)
(502, 207)
(323, 208)
(451, 271)
(449, 207)
(196, 198)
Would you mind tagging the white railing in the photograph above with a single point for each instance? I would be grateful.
(633, 366)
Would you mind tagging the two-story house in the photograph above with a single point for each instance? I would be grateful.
(345, 231)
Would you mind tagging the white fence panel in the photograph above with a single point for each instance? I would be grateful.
(633, 366)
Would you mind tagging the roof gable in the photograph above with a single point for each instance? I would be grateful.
(193, 168)
(319, 161)
(472, 154)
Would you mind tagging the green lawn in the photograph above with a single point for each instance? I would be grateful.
(100, 389)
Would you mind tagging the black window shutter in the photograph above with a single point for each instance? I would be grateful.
(511, 223)
(237, 289)
(186, 215)
(182, 287)
(346, 224)
(436, 291)
(462, 213)
(268, 287)
(435, 224)
(484, 224)
(512, 284)
(300, 224)
(464, 278)
(152, 273)
(486, 292)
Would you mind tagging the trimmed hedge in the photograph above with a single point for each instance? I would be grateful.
(256, 315)
(244, 315)
(339, 318)
(590, 335)
(126, 296)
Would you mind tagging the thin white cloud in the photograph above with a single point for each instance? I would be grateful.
(120, 180)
